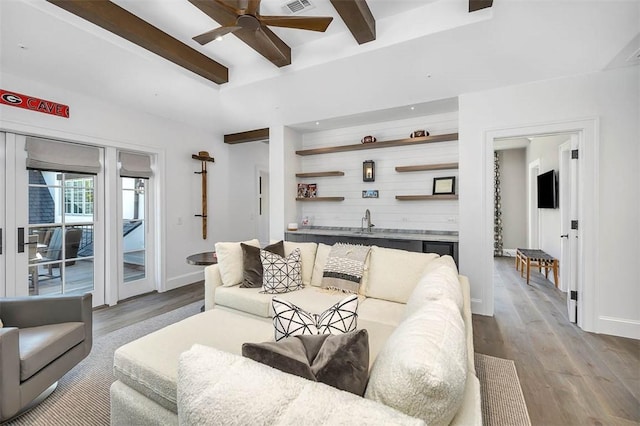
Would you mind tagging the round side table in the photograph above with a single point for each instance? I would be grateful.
(203, 259)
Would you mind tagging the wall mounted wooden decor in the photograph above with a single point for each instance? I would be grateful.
(204, 158)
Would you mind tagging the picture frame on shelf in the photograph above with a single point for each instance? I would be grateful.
(370, 193)
(444, 185)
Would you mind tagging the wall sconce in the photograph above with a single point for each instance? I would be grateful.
(369, 171)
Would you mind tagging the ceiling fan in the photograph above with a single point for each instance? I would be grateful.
(249, 21)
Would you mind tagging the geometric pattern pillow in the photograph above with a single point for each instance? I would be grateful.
(290, 320)
(281, 274)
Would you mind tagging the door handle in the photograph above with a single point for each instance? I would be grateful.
(21, 242)
(564, 236)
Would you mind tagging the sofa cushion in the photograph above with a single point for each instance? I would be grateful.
(230, 261)
(249, 300)
(150, 364)
(322, 254)
(281, 274)
(394, 273)
(341, 361)
(422, 368)
(308, 256)
(442, 260)
(252, 270)
(381, 311)
(41, 345)
(290, 320)
(437, 284)
(211, 396)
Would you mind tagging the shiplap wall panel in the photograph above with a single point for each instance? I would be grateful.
(387, 212)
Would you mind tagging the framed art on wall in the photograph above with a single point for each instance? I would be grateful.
(444, 185)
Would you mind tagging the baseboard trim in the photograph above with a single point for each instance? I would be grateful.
(621, 327)
(182, 280)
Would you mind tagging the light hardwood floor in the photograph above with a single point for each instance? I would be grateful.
(139, 308)
(568, 376)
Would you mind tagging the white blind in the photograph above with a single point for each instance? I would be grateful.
(135, 165)
(45, 154)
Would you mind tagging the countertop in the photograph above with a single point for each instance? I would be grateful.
(390, 234)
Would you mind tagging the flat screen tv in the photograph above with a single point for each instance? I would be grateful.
(548, 190)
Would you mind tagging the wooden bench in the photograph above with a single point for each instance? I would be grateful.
(537, 258)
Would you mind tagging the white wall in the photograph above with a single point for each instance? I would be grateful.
(513, 193)
(92, 121)
(545, 149)
(611, 97)
(387, 212)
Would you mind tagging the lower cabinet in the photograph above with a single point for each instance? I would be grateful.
(440, 247)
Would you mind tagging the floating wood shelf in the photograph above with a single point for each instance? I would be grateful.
(426, 167)
(320, 199)
(319, 174)
(381, 144)
(426, 197)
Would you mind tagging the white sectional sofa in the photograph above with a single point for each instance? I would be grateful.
(414, 306)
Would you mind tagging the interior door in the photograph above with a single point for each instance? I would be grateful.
(573, 233)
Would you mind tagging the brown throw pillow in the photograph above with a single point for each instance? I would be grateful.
(252, 265)
(338, 360)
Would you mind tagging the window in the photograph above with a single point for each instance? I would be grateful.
(78, 196)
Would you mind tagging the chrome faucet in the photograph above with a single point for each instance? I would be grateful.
(367, 217)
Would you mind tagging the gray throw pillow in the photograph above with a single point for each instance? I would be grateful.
(338, 360)
(252, 265)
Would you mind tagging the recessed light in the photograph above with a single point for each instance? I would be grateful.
(317, 123)
(412, 108)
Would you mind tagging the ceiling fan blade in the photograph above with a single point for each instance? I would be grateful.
(252, 7)
(228, 7)
(311, 23)
(209, 36)
(266, 47)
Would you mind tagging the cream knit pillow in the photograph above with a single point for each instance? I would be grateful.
(230, 261)
(422, 368)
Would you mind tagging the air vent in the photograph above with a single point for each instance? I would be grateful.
(297, 6)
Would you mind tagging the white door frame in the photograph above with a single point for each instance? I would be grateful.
(262, 207)
(588, 142)
(3, 225)
(533, 219)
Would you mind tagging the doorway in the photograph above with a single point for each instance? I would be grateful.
(550, 229)
(263, 207)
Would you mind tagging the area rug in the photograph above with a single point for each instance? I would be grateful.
(501, 395)
(82, 396)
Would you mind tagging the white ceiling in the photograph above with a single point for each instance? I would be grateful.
(426, 54)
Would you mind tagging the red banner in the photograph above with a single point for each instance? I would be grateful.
(34, 104)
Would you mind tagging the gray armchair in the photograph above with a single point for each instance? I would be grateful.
(42, 339)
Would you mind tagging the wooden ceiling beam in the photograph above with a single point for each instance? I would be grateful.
(248, 136)
(277, 51)
(358, 17)
(123, 23)
(479, 4)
